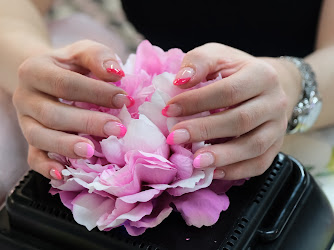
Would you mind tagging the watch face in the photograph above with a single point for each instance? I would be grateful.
(309, 119)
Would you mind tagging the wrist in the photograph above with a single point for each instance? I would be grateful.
(290, 80)
(307, 110)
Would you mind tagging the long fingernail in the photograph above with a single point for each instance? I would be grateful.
(184, 76)
(83, 149)
(172, 110)
(120, 100)
(113, 68)
(178, 136)
(203, 160)
(218, 174)
(114, 128)
(55, 174)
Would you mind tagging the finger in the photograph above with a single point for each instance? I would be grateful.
(248, 146)
(249, 168)
(98, 58)
(58, 82)
(41, 163)
(227, 92)
(229, 123)
(59, 116)
(207, 60)
(45, 139)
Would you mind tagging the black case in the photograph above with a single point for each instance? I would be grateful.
(282, 209)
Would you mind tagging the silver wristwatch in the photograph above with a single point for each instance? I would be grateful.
(308, 108)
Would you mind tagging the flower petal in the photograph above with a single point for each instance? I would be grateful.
(201, 208)
(88, 208)
(134, 214)
(112, 148)
(183, 160)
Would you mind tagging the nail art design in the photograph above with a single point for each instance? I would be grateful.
(114, 128)
(184, 76)
(164, 110)
(181, 81)
(178, 136)
(114, 68)
(118, 72)
(83, 149)
(120, 100)
(55, 174)
(132, 101)
(203, 160)
(172, 110)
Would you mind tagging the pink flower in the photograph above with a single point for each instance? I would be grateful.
(136, 180)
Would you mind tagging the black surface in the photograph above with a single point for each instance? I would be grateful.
(261, 27)
(284, 198)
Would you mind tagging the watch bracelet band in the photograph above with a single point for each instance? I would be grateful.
(309, 90)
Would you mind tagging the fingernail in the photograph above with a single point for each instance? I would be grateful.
(203, 160)
(55, 174)
(218, 174)
(120, 100)
(114, 128)
(83, 149)
(172, 110)
(178, 136)
(184, 76)
(113, 68)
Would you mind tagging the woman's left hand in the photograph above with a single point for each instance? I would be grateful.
(262, 92)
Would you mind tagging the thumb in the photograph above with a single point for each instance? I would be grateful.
(206, 62)
(97, 58)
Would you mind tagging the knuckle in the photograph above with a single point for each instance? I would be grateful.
(46, 114)
(59, 88)
(89, 125)
(260, 144)
(195, 54)
(231, 93)
(24, 69)
(204, 131)
(244, 122)
(101, 95)
(88, 47)
(30, 132)
(17, 97)
(84, 43)
(58, 146)
(283, 102)
(196, 103)
(284, 124)
(271, 74)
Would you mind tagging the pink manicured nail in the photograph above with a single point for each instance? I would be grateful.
(83, 149)
(203, 160)
(218, 174)
(172, 110)
(114, 68)
(55, 174)
(131, 100)
(114, 128)
(184, 76)
(178, 136)
(120, 100)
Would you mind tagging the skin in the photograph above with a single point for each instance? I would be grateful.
(264, 90)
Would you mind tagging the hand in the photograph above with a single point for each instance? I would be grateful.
(261, 93)
(45, 121)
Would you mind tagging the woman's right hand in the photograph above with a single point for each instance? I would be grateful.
(45, 121)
